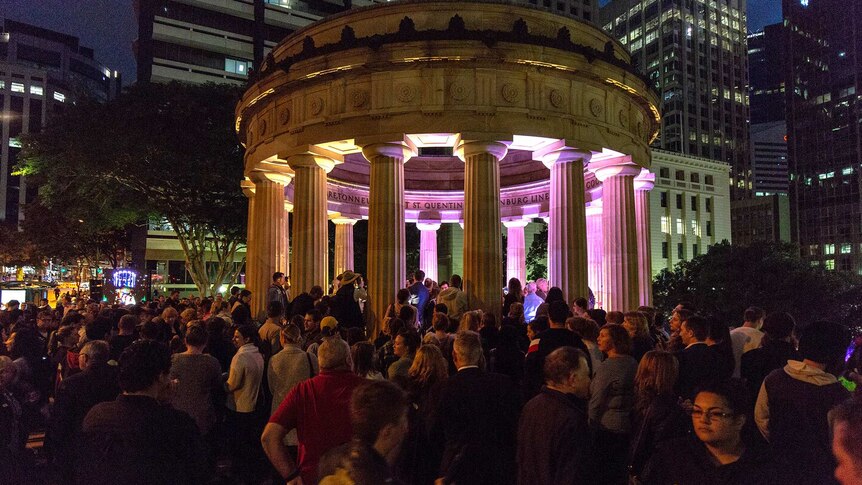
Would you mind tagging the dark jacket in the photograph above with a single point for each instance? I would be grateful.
(685, 461)
(363, 464)
(419, 296)
(758, 363)
(137, 440)
(475, 426)
(241, 315)
(698, 365)
(302, 304)
(554, 440)
(74, 398)
(345, 308)
(542, 345)
(662, 421)
(276, 293)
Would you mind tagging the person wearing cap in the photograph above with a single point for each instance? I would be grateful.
(343, 304)
(328, 328)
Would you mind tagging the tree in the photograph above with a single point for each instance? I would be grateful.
(159, 151)
(728, 279)
(537, 256)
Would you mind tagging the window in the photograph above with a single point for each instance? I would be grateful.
(664, 199)
(694, 202)
(664, 250)
(60, 97)
(830, 264)
(845, 248)
(709, 228)
(708, 205)
(17, 88)
(694, 251)
(236, 66)
(828, 249)
(680, 251)
(680, 227)
(680, 175)
(664, 173)
(679, 201)
(708, 180)
(36, 90)
(695, 178)
(2, 84)
(695, 229)
(665, 224)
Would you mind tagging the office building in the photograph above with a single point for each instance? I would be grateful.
(582, 9)
(766, 58)
(41, 71)
(823, 73)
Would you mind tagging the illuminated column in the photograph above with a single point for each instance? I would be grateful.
(567, 229)
(288, 208)
(483, 249)
(310, 263)
(643, 184)
(248, 190)
(387, 265)
(594, 253)
(428, 248)
(343, 244)
(268, 236)
(516, 252)
(619, 243)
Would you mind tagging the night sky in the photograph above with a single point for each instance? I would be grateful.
(110, 27)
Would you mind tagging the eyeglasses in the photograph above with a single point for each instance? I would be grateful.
(710, 414)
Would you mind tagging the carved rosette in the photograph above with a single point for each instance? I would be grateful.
(405, 92)
(358, 98)
(316, 105)
(510, 93)
(596, 108)
(284, 116)
(459, 91)
(624, 118)
(557, 99)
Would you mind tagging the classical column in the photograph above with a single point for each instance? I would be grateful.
(268, 236)
(516, 252)
(643, 184)
(248, 190)
(343, 244)
(310, 263)
(288, 208)
(387, 265)
(483, 275)
(619, 244)
(428, 248)
(594, 253)
(567, 229)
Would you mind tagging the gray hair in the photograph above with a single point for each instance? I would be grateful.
(97, 351)
(333, 353)
(530, 287)
(468, 346)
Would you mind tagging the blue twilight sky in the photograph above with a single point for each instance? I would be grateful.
(110, 27)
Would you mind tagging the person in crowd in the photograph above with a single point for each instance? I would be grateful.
(657, 331)
(34, 375)
(276, 293)
(514, 294)
(386, 353)
(378, 415)
(546, 342)
(677, 317)
(363, 361)
(305, 301)
(507, 358)
(794, 402)
(75, 396)
(470, 321)
(328, 328)
(65, 358)
(418, 462)
(453, 298)
(580, 307)
(125, 337)
(554, 443)
(657, 416)
(616, 318)
(542, 288)
(720, 343)
(243, 389)
(599, 316)
(240, 312)
(489, 332)
(290, 366)
(312, 331)
(402, 299)
(218, 345)
(515, 315)
(13, 437)
(197, 383)
(846, 446)
(475, 424)
(746, 337)
(778, 345)
(698, 363)
(554, 294)
(344, 305)
(405, 346)
(588, 331)
(169, 324)
(638, 328)
(136, 438)
(407, 314)
(716, 453)
(270, 332)
(318, 409)
(419, 294)
(612, 401)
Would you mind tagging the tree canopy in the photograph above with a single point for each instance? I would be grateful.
(158, 151)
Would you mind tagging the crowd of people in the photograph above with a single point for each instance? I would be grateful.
(199, 390)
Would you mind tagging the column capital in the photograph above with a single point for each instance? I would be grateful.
(288, 206)
(388, 149)
(339, 219)
(279, 176)
(310, 160)
(247, 187)
(465, 149)
(428, 226)
(516, 223)
(563, 155)
(606, 169)
(645, 181)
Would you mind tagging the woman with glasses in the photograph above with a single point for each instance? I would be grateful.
(717, 453)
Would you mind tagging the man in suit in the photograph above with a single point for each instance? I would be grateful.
(475, 424)
(699, 364)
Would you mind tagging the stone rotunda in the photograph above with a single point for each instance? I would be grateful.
(486, 114)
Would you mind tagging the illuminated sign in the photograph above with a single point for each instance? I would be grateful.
(124, 278)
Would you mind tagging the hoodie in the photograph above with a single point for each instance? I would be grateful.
(455, 301)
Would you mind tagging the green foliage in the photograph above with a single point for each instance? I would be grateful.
(159, 151)
(537, 256)
(728, 279)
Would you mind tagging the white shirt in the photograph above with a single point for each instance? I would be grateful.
(743, 339)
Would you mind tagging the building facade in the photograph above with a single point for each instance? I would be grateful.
(587, 10)
(689, 207)
(766, 58)
(694, 53)
(823, 74)
(41, 71)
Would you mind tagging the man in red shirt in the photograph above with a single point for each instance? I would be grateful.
(319, 410)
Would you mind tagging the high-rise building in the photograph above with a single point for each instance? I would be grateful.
(694, 52)
(769, 158)
(766, 57)
(823, 76)
(583, 9)
(41, 71)
(215, 40)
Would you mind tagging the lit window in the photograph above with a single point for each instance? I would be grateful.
(680, 227)
(695, 228)
(665, 224)
(236, 66)
(60, 97)
(845, 248)
(830, 264)
(2, 84)
(14, 143)
(828, 249)
(847, 171)
(17, 88)
(37, 90)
